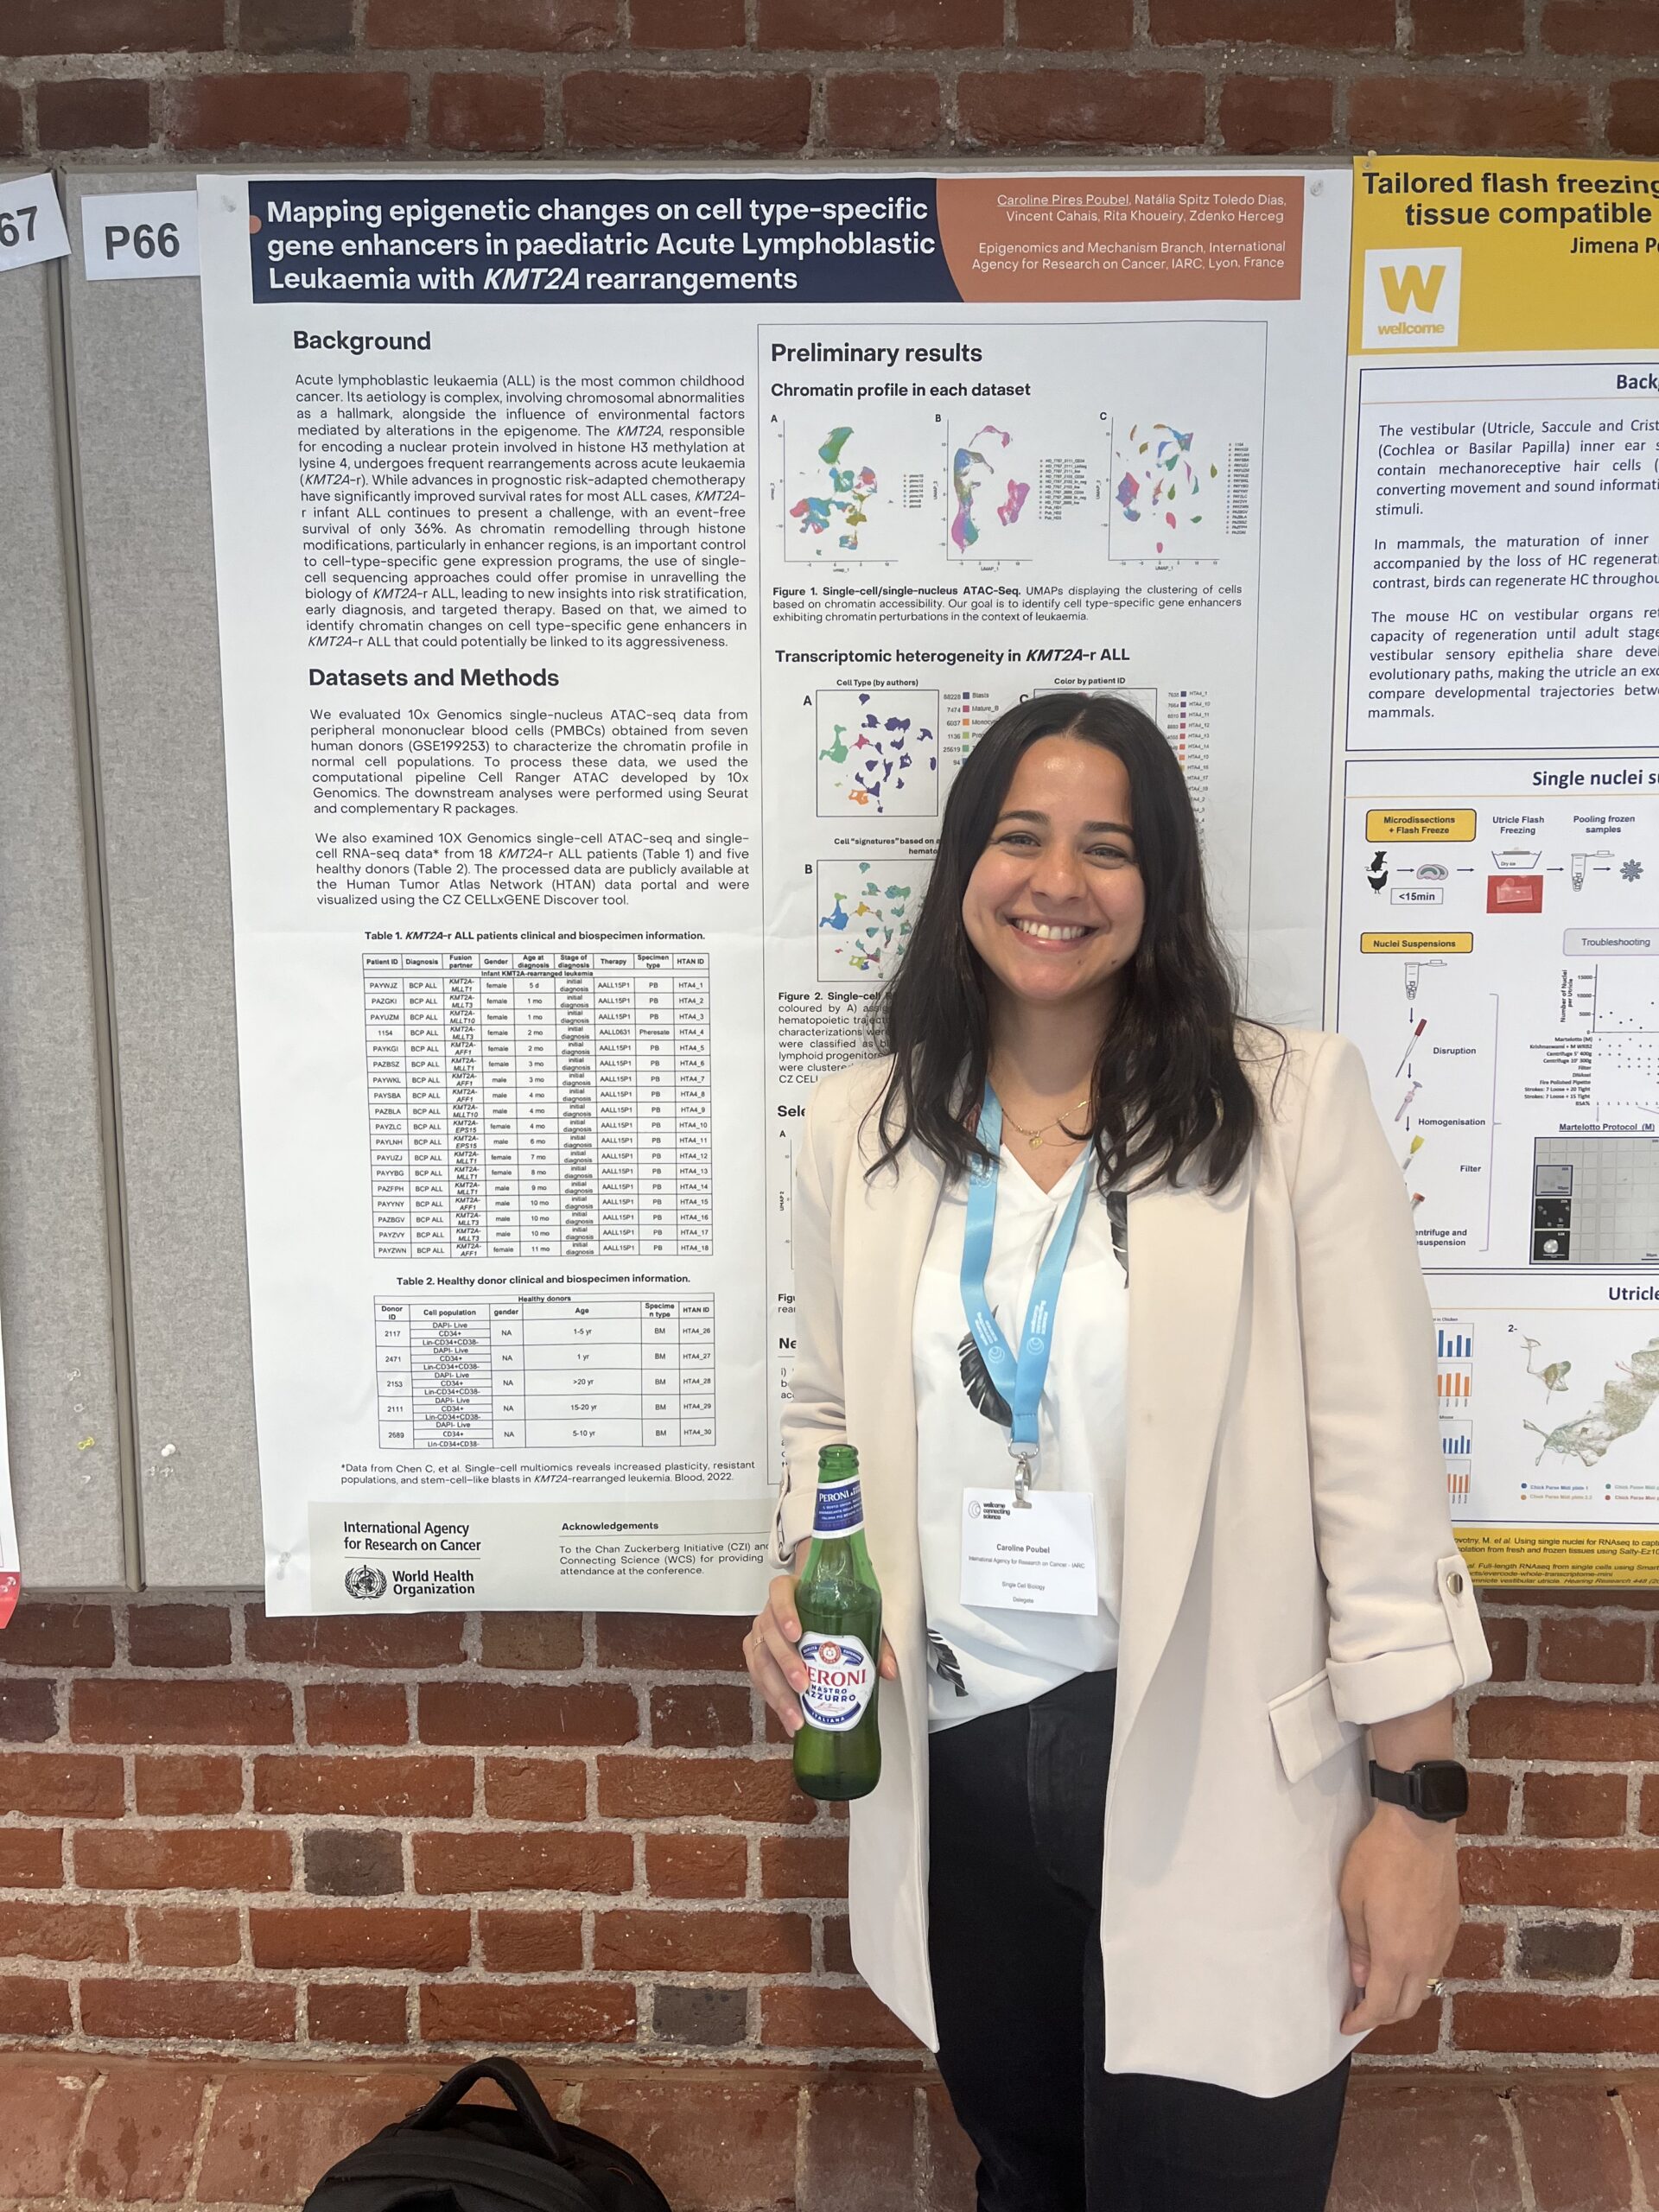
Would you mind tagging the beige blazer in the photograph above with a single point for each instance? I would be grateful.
(1289, 1570)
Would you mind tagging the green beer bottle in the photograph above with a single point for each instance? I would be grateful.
(838, 1746)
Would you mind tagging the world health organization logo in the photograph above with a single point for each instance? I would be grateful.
(366, 1582)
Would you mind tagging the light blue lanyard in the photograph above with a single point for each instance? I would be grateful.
(1021, 1381)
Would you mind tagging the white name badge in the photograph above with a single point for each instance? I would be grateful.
(1038, 1557)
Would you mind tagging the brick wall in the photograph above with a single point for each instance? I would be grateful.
(537, 1830)
(827, 77)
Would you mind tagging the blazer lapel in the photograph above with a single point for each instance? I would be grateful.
(1186, 1257)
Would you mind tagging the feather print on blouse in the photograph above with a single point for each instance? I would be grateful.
(983, 1394)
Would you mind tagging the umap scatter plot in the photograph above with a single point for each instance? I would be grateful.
(878, 752)
(841, 508)
(1162, 495)
(980, 486)
(866, 909)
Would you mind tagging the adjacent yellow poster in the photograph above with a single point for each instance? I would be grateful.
(1495, 929)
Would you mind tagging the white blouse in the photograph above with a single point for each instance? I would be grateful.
(982, 1659)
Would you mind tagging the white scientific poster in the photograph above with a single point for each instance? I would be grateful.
(1496, 918)
(11, 1576)
(615, 572)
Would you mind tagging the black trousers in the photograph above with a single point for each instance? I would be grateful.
(1018, 1805)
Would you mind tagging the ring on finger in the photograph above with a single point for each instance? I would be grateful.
(1435, 1986)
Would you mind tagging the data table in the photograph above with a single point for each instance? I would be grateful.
(539, 1104)
(544, 1371)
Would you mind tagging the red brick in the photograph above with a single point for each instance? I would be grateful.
(866, 25)
(1617, 1877)
(58, 1637)
(11, 142)
(184, 1935)
(1274, 22)
(701, 1716)
(535, 1790)
(882, 112)
(1277, 115)
(1075, 24)
(32, 2007)
(713, 1789)
(215, 1713)
(462, 1864)
(40, 2105)
(292, 111)
(1460, 27)
(404, 1640)
(1559, 1728)
(671, 1644)
(295, 26)
(276, 2129)
(530, 1942)
(28, 1711)
(703, 1942)
(355, 1714)
(1573, 1804)
(388, 1788)
(684, 24)
(61, 1782)
(621, 111)
(1567, 1950)
(1633, 126)
(837, 1945)
(140, 2134)
(121, 2008)
(816, 2018)
(110, 25)
(1499, 115)
(1584, 1649)
(469, 2013)
(39, 1930)
(31, 1858)
(359, 1935)
(527, 26)
(696, 1866)
(200, 1782)
(536, 1643)
(358, 2012)
(1640, 2100)
(1417, 2038)
(1477, 1954)
(179, 1636)
(804, 1866)
(1644, 1953)
(181, 1858)
(1619, 28)
(1649, 1816)
(726, 2141)
(858, 2153)
(1573, 2144)
(1535, 2022)
(1506, 1635)
(487, 115)
(504, 1713)
(1081, 107)
(1413, 2145)
(1488, 1804)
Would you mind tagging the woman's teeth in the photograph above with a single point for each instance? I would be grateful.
(1053, 932)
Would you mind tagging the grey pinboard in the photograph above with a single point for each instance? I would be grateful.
(139, 423)
(58, 1220)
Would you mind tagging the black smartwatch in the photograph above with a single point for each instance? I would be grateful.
(1435, 1789)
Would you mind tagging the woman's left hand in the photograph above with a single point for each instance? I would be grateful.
(1400, 1902)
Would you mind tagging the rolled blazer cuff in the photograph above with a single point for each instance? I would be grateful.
(793, 1518)
(1392, 1683)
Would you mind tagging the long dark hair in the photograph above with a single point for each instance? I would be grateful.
(1168, 1087)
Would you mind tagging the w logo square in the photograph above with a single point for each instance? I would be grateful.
(1411, 298)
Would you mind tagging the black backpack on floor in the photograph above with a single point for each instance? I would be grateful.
(453, 2157)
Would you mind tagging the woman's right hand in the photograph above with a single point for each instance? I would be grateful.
(773, 1661)
(769, 1651)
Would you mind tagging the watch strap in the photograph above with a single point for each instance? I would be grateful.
(1435, 1789)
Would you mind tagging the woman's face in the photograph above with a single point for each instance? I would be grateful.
(1055, 905)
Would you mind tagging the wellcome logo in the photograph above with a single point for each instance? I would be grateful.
(1411, 299)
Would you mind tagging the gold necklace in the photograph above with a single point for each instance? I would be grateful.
(1035, 1137)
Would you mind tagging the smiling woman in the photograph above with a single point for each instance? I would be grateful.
(1117, 1296)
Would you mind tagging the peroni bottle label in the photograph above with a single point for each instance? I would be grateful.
(840, 1681)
